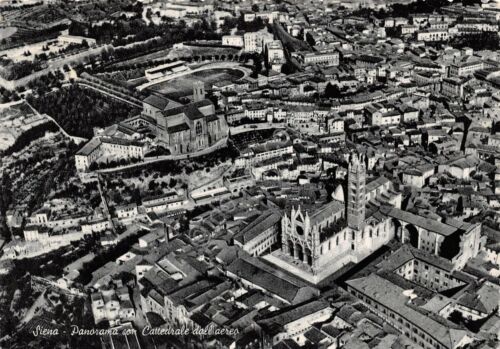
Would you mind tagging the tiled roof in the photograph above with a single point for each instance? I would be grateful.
(268, 278)
(258, 226)
(157, 101)
(391, 296)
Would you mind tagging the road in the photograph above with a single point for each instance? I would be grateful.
(218, 145)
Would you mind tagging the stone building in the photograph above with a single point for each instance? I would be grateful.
(328, 236)
(184, 128)
(356, 193)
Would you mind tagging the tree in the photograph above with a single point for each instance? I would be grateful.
(228, 24)
(288, 68)
(332, 91)
(255, 8)
(152, 185)
(257, 65)
(173, 182)
(310, 40)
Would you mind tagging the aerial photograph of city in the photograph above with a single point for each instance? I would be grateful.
(250, 174)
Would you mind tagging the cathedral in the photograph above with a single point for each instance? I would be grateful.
(318, 240)
(184, 128)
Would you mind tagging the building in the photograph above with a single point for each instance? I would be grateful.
(294, 322)
(256, 41)
(166, 202)
(177, 302)
(98, 147)
(394, 305)
(465, 68)
(113, 305)
(259, 235)
(165, 70)
(185, 128)
(453, 87)
(275, 55)
(432, 35)
(329, 58)
(257, 275)
(325, 237)
(233, 40)
(356, 194)
(454, 240)
(73, 39)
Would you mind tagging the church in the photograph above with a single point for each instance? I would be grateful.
(184, 128)
(318, 240)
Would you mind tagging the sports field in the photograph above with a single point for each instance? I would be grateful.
(183, 86)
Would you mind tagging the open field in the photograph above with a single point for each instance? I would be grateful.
(183, 86)
(17, 54)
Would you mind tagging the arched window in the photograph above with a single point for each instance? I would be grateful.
(198, 128)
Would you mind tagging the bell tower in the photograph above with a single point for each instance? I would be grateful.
(356, 198)
(198, 91)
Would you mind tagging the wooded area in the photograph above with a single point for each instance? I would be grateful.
(79, 110)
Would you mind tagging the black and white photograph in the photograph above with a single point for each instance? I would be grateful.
(249, 174)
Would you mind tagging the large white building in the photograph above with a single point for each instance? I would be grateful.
(113, 305)
(327, 58)
(275, 54)
(233, 40)
(466, 68)
(100, 146)
(433, 35)
(256, 41)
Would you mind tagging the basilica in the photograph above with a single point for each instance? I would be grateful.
(184, 128)
(318, 240)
